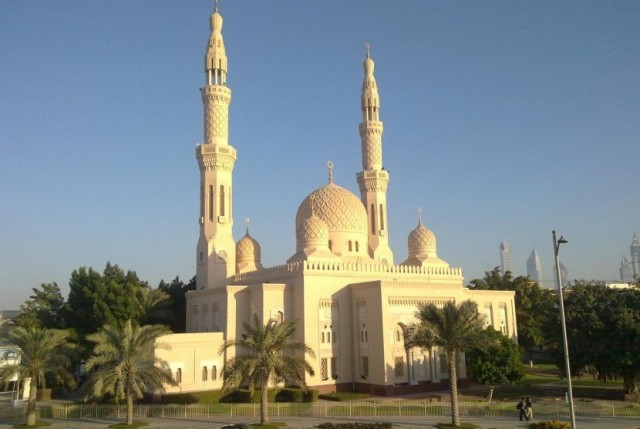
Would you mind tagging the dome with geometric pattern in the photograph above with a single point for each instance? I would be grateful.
(313, 232)
(343, 214)
(422, 242)
(247, 249)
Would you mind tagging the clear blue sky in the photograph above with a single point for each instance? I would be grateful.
(503, 120)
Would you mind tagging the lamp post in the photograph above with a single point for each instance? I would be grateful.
(556, 248)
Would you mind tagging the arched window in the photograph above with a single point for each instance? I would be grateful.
(381, 218)
(179, 375)
(357, 246)
(222, 200)
(205, 374)
(211, 203)
(373, 219)
(350, 246)
(214, 373)
(322, 337)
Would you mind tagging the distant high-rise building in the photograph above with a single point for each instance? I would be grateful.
(635, 256)
(564, 276)
(626, 270)
(534, 267)
(506, 259)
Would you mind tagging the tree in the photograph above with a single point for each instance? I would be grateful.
(603, 331)
(44, 309)
(535, 306)
(42, 352)
(271, 356)
(154, 306)
(111, 299)
(455, 328)
(124, 363)
(177, 302)
(498, 362)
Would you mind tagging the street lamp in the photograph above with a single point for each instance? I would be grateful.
(556, 248)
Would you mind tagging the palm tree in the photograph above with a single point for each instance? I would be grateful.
(271, 356)
(42, 352)
(125, 363)
(154, 305)
(455, 328)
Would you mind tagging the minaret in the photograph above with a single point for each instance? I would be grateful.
(373, 179)
(216, 252)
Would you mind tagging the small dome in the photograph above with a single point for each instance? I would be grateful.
(422, 242)
(247, 249)
(313, 228)
(313, 233)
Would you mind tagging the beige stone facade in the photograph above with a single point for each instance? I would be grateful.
(350, 298)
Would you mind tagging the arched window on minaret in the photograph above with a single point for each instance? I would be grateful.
(373, 219)
(221, 200)
(211, 203)
(381, 218)
(202, 202)
(350, 246)
(357, 247)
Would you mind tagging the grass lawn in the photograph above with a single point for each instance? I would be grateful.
(543, 381)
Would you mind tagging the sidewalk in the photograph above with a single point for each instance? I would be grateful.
(299, 423)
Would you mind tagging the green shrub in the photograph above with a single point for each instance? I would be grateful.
(355, 425)
(206, 397)
(296, 395)
(343, 396)
(550, 424)
(244, 396)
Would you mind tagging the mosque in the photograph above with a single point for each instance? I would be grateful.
(342, 285)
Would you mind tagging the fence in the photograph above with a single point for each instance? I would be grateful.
(320, 409)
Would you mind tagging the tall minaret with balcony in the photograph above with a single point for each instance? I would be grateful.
(373, 179)
(216, 250)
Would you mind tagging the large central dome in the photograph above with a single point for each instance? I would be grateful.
(337, 207)
(342, 212)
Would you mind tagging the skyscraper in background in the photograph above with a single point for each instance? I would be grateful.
(626, 270)
(564, 276)
(635, 255)
(534, 267)
(506, 258)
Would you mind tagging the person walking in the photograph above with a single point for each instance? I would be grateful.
(521, 408)
(528, 409)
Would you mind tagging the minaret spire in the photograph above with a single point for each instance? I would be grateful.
(373, 179)
(216, 250)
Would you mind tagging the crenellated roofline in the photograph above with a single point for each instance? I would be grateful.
(342, 268)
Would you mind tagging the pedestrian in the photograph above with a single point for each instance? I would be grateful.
(520, 407)
(528, 409)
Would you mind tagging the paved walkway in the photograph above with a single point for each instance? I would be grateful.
(299, 423)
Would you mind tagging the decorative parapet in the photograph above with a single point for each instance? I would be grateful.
(414, 301)
(328, 303)
(346, 268)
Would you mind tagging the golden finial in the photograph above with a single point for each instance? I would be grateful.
(215, 9)
(330, 167)
(420, 215)
(247, 221)
(367, 45)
